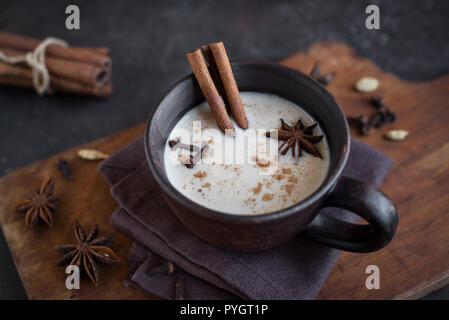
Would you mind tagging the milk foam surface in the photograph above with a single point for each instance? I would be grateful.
(248, 179)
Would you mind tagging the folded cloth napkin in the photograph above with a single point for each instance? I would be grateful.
(295, 270)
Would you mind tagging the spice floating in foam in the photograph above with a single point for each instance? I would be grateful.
(297, 138)
(195, 153)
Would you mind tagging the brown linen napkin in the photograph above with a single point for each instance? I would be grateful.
(295, 270)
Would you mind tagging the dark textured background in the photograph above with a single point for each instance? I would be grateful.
(149, 40)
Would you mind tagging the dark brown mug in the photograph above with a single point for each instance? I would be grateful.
(260, 232)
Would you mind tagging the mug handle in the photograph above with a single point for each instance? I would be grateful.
(365, 201)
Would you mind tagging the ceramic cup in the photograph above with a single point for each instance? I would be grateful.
(260, 232)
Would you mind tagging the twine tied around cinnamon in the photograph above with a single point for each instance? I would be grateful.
(36, 61)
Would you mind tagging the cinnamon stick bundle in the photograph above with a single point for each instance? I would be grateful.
(78, 70)
(218, 85)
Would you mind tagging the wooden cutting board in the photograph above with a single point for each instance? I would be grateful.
(414, 264)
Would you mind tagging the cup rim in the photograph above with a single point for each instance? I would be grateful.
(219, 216)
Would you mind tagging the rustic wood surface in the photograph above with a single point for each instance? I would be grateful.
(414, 264)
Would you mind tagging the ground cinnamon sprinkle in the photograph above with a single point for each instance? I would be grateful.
(249, 201)
(268, 197)
(257, 189)
(286, 171)
(200, 174)
(206, 185)
(279, 176)
(268, 184)
(263, 163)
(284, 199)
(289, 188)
(293, 179)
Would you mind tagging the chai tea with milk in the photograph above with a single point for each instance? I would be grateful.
(244, 174)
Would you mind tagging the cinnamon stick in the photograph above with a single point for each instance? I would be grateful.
(13, 41)
(21, 76)
(85, 73)
(68, 86)
(214, 73)
(230, 86)
(99, 50)
(218, 79)
(202, 75)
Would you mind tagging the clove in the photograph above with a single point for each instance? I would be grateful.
(326, 79)
(194, 158)
(176, 143)
(361, 122)
(315, 70)
(63, 165)
(387, 116)
(378, 120)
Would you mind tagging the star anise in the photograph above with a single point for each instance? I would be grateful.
(298, 137)
(39, 204)
(88, 249)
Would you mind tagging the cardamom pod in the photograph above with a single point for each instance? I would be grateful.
(90, 154)
(367, 84)
(396, 135)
